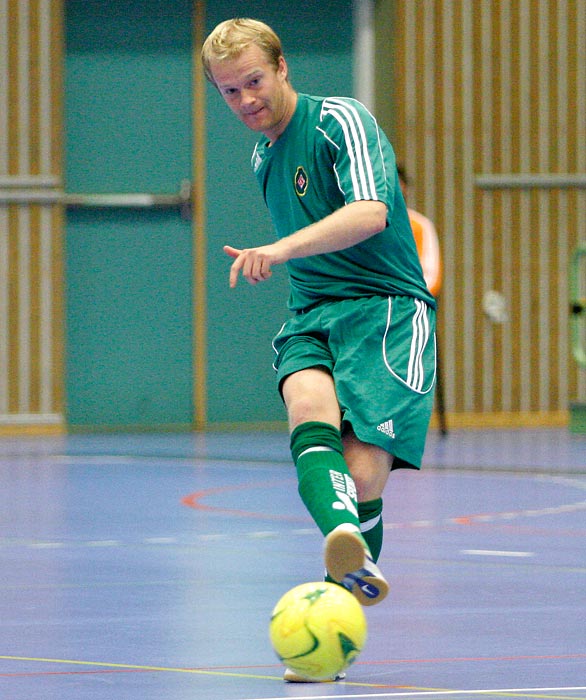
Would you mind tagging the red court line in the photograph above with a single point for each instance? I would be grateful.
(466, 659)
(473, 520)
(194, 500)
(212, 669)
(33, 674)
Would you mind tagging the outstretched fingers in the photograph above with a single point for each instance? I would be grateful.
(254, 264)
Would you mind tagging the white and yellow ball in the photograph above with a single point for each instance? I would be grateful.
(318, 629)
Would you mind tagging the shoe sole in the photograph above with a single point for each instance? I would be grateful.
(292, 677)
(344, 559)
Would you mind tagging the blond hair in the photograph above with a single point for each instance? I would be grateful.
(231, 37)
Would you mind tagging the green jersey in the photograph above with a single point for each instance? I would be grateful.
(333, 153)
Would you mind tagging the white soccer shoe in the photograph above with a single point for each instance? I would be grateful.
(292, 677)
(348, 563)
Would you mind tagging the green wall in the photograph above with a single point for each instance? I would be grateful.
(128, 77)
(384, 16)
(129, 287)
(317, 41)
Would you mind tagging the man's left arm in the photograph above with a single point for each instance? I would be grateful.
(347, 226)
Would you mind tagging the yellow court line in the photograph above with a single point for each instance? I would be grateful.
(137, 667)
(170, 669)
(414, 690)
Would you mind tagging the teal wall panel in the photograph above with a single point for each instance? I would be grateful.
(128, 99)
(317, 39)
(129, 326)
(129, 313)
(128, 94)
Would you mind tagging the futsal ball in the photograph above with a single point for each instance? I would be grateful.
(318, 629)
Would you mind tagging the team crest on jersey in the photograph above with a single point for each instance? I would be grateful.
(301, 181)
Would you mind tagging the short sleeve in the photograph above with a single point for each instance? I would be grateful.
(355, 144)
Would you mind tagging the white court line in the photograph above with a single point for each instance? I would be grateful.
(426, 693)
(496, 553)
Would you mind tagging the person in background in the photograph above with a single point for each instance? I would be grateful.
(426, 240)
(355, 362)
(428, 249)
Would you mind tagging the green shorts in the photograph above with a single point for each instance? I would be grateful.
(381, 353)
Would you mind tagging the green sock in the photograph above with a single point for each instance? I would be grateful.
(370, 514)
(325, 485)
(371, 525)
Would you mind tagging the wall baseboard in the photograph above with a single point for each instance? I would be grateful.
(504, 419)
(454, 421)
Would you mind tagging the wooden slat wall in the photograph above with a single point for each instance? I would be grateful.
(484, 87)
(30, 234)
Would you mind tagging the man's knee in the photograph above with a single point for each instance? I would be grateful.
(310, 396)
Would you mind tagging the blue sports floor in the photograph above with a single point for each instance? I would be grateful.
(145, 567)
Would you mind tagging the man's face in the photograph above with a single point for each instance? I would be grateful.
(256, 91)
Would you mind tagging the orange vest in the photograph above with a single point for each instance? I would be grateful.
(428, 249)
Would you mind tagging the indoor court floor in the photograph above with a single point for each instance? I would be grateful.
(145, 567)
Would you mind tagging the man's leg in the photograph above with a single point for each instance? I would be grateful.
(326, 485)
(324, 482)
(370, 467)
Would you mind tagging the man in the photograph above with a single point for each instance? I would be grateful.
(355, 362)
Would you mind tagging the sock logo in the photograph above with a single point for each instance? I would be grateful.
(387, 428)
(345, 491)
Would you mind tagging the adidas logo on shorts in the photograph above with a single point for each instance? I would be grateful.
(387, 428)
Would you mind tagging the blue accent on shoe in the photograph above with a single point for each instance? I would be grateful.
(369, 589)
